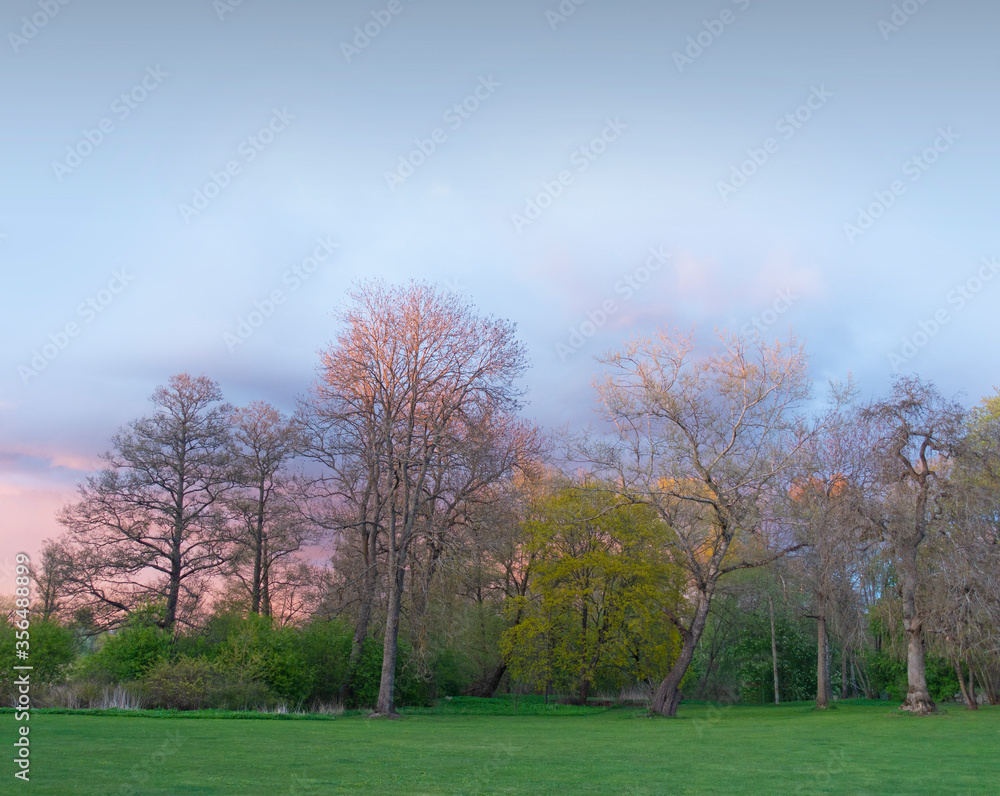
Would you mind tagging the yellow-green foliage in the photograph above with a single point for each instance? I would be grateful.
(594, 617)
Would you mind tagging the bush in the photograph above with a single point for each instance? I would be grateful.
(367, 675)
(186, 684)
(888, 675)
(325, 649)
(126, 655)
(52, 648)
(942, 682)
(453, 673)
(243, 695)
(256, 651)
(410, 689)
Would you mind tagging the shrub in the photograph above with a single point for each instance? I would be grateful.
(410, 689)
(186, 684)
(888, 675)
(52, 649)
(453, 673)
(126, 655)
(367, 675)
(942, 682)
(256, 651)
(235, 694)
(325, 649)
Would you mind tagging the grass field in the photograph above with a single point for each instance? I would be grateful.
(460, 748)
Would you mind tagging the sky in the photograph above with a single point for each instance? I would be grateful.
(193, 186)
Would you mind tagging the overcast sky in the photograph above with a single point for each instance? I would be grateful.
(589, 170)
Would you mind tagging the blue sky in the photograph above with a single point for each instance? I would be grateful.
(689, 164)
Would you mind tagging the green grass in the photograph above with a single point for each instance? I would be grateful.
(855, 749)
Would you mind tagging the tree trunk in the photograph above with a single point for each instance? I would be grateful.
(843, 671)
(255, 585)
(973, 703)
(265, 584)
(858, 675)
(988, 688)
(709, 668)
(918, 698)
(258, 553)
(823, 641)
(961, 682)
(369, 581)
(668, 695)
(774, 651)
(584, 656)
(487, 685)
(386, 707)
(174, 587)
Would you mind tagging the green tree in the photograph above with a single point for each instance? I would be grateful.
(602, 579)
(52, 648)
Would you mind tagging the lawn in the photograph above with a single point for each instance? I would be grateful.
(854, 749)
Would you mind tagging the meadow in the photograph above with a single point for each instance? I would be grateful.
(466, 746)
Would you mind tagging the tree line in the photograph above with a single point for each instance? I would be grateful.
(408, 505)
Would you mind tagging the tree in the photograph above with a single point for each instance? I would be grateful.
(52, 579)
(414, 405)
(499, 571)
(602, 577)
(339, 434)
(962, 605)
(757, 628)
(702, 440)
(916, 434)
(823, 501)
(267, 526)
(149, 525)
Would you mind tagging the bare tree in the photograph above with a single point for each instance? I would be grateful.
(824, 502)
(916, 433)
(267, 526)
(346, 499)
(52, 578)
(149, 524)
(414, 390)
(962, 604)
(703, 440)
